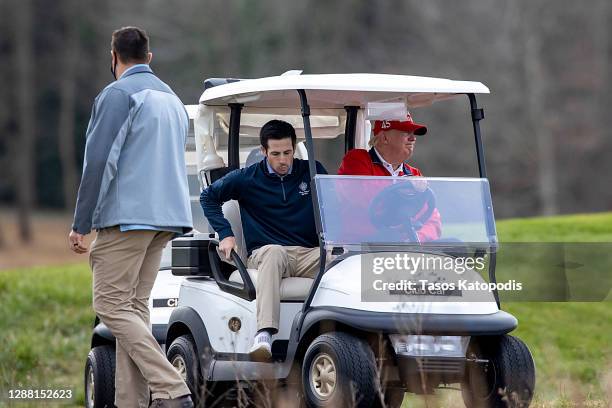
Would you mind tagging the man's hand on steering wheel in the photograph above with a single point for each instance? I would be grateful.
(399, 207)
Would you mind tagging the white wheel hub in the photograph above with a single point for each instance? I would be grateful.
(179, 364)
(323, 376)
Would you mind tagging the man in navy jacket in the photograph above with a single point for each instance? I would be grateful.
(278, 222)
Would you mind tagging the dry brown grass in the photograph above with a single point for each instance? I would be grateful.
(49, 245)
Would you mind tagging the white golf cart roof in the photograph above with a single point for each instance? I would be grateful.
(338, 90)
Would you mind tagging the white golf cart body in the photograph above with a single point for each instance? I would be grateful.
(217, 305)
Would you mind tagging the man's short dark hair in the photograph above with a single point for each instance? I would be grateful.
(131, 44)
(276, 130)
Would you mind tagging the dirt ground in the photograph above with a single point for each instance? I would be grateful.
(48, 247)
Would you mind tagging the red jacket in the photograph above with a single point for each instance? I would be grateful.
(360, 162)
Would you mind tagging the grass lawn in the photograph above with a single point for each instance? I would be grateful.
(570, 342)
(46, 318)
(45, 329)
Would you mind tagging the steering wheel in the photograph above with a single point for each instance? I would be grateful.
(395, 210)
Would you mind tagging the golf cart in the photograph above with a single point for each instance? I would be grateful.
(346, 337)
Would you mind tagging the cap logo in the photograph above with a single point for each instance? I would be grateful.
(385, 124)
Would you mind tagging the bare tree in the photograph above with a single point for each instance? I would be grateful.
(23, 177)
(3, 105)
(67, 105)
(536, 81)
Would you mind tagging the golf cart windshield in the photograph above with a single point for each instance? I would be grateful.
(392, 211)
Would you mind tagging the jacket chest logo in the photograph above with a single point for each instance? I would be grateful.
(303, 189)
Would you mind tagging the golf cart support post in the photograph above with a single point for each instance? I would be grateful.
(477, 116)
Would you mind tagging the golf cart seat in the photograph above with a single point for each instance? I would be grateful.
(255, 156)
(293, 288)
(290, 289)
(300, 151)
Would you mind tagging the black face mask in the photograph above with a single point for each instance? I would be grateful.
(113, 67)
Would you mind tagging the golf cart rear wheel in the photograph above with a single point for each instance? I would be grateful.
(184, 358)
(508, 380)
(339, 370)
(100, 377)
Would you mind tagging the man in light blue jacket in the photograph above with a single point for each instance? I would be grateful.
(134, 193)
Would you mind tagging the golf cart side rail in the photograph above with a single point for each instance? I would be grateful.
(246, 290)
(414, 323)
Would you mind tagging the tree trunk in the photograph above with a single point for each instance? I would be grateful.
(536, 80)
(24, 160)
(66, 141)
(4, 107)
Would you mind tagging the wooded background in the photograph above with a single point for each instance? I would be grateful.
(547, 63)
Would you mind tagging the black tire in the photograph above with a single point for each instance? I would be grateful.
(183, 356)
(356, 378)
(100, 377)
(182, 352)
(507, 381)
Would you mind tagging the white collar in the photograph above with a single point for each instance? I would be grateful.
(271, 170)
(389, 166)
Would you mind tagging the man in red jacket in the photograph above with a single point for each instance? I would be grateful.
(392, 144)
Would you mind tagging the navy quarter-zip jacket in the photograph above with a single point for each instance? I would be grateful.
(273, 209)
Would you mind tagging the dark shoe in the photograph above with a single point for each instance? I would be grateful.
(180, 402)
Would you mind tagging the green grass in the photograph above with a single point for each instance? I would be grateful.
(583, 240)
(45, 329)
(566, 228)
(570, 342)
(46, 318)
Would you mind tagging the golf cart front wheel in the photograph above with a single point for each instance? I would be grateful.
(184, 358)
(339, 370)
(507, 380)
(100, 377)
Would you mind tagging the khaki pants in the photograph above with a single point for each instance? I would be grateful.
(124, 266)
(275, 262)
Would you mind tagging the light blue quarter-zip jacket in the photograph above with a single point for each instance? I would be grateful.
(134, 169)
